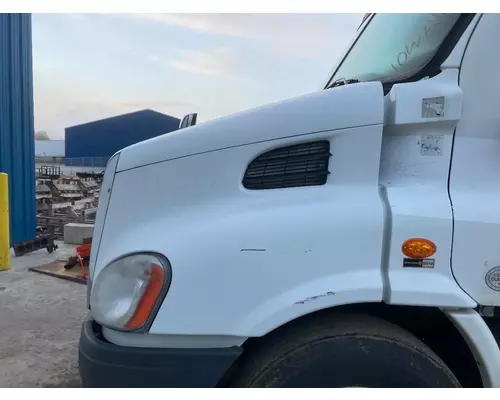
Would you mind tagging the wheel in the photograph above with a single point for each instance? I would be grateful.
(50, 248)
(343, 351)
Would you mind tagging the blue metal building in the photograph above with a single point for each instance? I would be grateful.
(17, 144)
(93, 143)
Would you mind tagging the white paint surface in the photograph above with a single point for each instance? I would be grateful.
(195, 212)
(475, 179)
(320, 247)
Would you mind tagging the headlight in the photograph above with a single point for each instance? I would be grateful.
(127, 291)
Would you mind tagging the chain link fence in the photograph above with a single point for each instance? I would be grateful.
(75, 164)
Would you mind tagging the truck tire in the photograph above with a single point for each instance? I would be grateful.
(343, 351)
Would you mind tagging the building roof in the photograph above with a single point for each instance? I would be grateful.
(140, 113)
(100, 139)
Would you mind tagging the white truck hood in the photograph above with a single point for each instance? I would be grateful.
(338, 108)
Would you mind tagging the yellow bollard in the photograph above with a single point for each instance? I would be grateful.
(4, 223)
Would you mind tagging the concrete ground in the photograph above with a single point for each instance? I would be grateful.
(40, 319)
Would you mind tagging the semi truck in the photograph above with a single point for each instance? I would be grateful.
(349, 237)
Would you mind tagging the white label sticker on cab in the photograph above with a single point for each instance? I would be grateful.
(431, 145)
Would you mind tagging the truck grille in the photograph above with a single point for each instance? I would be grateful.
(303, 164)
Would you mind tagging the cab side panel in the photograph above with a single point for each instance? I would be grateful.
(475, 179)
(416, 151)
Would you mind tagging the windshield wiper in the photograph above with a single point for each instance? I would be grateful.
(342, 82)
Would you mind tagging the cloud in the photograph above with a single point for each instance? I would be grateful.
(155, 104)
(58, 108)
(77, 17)
(207, 45)
(306, 36)
(215, 62)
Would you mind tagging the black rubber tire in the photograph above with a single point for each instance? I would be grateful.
(343, 351)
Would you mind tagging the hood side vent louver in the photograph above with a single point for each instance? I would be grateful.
(299, 165)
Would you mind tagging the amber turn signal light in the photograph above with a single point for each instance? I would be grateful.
(418, 248)
(148, 300)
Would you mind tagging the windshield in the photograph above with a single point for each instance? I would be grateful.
(393, 47)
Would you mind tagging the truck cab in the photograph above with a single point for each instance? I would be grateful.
(344, 238)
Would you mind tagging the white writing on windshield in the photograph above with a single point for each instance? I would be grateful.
(429, 28)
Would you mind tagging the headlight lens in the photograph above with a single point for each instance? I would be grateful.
(126, 291)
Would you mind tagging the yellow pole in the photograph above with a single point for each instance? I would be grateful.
(4, 223)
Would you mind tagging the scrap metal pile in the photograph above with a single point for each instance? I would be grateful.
(62, 199)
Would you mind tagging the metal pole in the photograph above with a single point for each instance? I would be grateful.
(4, 223)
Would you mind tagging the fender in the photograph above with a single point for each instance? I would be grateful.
(426, 289)
(481, 342)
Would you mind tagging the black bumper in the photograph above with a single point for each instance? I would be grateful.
(103, 364)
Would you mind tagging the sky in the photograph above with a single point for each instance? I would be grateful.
(92, 66)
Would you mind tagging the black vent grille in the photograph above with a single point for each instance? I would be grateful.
(292, 166)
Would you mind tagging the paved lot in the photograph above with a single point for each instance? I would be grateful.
(40, 320)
